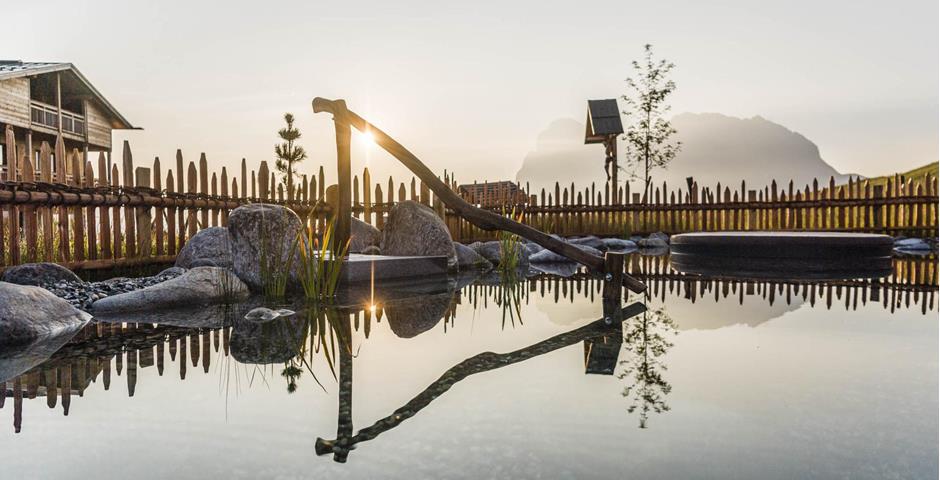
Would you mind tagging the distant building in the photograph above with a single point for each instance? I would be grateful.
(489, 194)
(45, 101)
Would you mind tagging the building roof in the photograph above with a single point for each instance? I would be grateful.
(603, 119)
(17, 68)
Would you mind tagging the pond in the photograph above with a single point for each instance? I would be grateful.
(717, 378)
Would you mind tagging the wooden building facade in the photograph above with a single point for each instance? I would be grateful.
(49, 102)
(492, 194)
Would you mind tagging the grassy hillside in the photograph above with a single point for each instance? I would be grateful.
(916, 174)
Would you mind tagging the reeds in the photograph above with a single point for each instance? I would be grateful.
(321, 264)
(510, 246)
(228, 285)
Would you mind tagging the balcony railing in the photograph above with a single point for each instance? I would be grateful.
(47, 115)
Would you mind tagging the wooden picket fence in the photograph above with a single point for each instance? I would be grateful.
(63, 209)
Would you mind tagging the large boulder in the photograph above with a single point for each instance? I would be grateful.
(264, 228)
(414, 229)
(38, 274)
(198, 286)
(210, 246)
(28, 313)
(548, 256)
(362, 236)
(468, 258)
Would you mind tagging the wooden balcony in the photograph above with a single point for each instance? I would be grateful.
(45, 115)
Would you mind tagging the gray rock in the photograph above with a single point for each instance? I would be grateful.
(653, 251)
(362, 236)
(652, 242)
(533, 248)
(263, 314)
(203, 262)
(414, 229)
(468, 258)
(198, 286)
(209, 247)
(493, 251)
(16, 360)
(591, 241)
(265, 343)
(38, 274)
(371, 250)
(409, 318)
(259, 227)
(28, 313)
(619, 244)
(660, 235)
(561, 269)
(548, 256)
(911, 244)
(172, 272)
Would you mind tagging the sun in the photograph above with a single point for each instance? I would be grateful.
(367, 139)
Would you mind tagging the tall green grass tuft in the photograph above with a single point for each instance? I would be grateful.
(510, 248)
(321, 264)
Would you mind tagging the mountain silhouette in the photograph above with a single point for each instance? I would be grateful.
(715, 148)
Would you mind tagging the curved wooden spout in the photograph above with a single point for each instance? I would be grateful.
(481, 218)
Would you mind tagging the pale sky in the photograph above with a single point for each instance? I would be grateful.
(468, 86)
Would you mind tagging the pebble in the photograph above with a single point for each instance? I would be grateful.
(82, 294)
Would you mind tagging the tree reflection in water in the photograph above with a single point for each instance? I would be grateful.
(646, 342)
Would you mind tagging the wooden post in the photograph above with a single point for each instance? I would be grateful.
(60, 156)
(613, 281)
(214, 191)
(263, 181)
(223, 184)
(12, 210)
(171, 234)
(90, 224)
(77, 214)
(130, 242)
(29, 211)
(204, 188)
(117, 237)
(343, 170)
(45, 213)
(158, 211)
(367, 196)
(878, 217)
(143, 216)
(751, 212)
(191, 181)
(180, 177)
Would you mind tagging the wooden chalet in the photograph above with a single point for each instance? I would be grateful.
(491, 194)
(43, 102)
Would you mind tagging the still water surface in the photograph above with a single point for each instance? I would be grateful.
(717, 379)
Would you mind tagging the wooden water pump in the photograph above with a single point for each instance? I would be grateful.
(343, 119)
